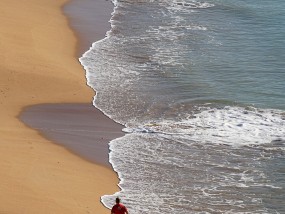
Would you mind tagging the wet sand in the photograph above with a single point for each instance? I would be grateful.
(89, 20)
(81, 128)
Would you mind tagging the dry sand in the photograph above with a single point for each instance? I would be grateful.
(38, 66)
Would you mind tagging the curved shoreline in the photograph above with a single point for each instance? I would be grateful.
(89, 21)
(38, 66)
(79, 127)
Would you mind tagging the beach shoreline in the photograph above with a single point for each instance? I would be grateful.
(89, 21)
(79, 127)
(39, 66)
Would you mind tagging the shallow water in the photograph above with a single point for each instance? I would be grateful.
(200, 88)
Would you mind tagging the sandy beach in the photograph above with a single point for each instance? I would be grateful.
(39, 66)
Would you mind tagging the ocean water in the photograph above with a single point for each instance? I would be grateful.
(200, 87)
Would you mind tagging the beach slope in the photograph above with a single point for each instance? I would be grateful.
(38, 65)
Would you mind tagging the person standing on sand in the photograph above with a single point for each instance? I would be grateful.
(119, 208)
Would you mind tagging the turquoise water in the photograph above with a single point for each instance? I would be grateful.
(200, 87)
(248, 65)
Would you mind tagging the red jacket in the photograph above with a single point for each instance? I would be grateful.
(119, 209)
